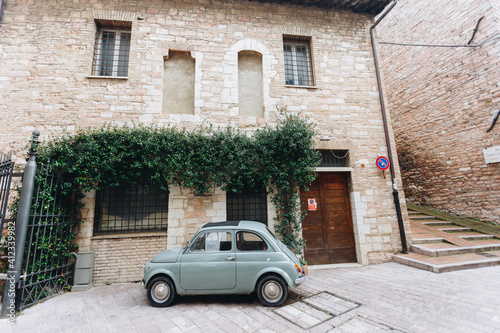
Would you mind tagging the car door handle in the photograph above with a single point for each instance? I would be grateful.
(230, 258)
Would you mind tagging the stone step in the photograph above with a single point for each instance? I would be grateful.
(437, 223)
(427, 240)
(492, 241)
(477, 237)
(449, 263)
(449, 249)
(424, 217)
(455, 229)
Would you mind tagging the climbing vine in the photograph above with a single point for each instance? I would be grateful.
(280, 157)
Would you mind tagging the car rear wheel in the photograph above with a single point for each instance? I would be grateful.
(272, 290)
(161, 292)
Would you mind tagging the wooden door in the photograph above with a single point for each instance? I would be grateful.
(328, 230)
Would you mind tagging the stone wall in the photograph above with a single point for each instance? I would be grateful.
(46, 50)
(443, 100)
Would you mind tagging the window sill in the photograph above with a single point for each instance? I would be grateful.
(107, 77)
(297, 86)
(129, 235)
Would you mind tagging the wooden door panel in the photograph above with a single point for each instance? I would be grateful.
(334, 187)
(328, 230)
(336, 215)
(343, 256)
(335, 203)
(317, 257)
(340, 241)
(313, 232)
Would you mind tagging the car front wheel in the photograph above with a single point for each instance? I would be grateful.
(161, 292)
(272, 290)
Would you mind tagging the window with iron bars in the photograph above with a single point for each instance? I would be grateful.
(250, 205)
(334, 158)
(130, 208)
(112, 49)
(298, 65)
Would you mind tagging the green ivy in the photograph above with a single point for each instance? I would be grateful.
(280, 157)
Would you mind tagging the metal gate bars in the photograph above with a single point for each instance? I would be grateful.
(48, 269)
(6, 169)
(40, 265)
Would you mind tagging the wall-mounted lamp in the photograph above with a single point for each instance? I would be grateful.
(325, 138)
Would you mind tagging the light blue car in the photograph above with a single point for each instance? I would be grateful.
(233, 257)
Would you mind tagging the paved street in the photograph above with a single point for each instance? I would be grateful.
(378, 298)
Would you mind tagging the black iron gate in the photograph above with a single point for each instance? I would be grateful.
(6, 169)
(48, 268)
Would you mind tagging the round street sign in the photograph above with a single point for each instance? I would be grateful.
(383, 163)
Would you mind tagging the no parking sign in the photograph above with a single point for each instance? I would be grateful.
(383, 163)
(312, 204)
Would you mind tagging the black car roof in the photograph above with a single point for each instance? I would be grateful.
(222, 224)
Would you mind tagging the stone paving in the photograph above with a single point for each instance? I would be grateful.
(379, 298)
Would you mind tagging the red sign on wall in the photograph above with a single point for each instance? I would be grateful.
(312, 204)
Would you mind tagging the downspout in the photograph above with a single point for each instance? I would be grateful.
(395, 192)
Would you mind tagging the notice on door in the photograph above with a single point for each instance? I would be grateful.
(312, 204)
(492, 154)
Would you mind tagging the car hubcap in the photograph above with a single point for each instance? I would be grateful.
(272, 291)
(161, 291)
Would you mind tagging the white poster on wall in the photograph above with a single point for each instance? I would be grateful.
(492, 154)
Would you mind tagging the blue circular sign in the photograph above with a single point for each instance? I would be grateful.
(383, 163)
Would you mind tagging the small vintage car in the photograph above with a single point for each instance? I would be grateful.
(232, 257)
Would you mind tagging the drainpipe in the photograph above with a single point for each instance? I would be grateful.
(386, 130)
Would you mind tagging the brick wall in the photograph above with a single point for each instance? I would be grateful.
(119, 258)
(443, 100)
(46, 50)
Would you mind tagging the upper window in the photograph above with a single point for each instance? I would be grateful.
(249, 205)
(298, 64)
(130, 208)
(112, 49)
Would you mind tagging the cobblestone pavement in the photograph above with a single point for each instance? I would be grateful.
(377, 298)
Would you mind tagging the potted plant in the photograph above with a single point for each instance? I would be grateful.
(303, 263)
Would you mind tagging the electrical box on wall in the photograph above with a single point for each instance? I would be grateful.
(84, 268)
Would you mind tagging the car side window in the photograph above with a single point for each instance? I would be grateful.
(199, 243)
(212, 242)
(247, 241)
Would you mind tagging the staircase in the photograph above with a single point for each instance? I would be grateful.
(445, 243)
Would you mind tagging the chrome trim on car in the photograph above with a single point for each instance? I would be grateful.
(300, 280)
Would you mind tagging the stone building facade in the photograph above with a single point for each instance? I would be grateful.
(228, 60)
(444, 100)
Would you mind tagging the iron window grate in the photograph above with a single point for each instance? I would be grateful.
(250, 205)
(298, 65)
(112, 51)
(130, 208)
(333, 158)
